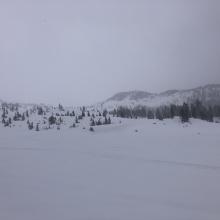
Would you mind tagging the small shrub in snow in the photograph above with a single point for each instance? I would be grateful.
(99, 122)
(73, 126)
(30, 125)
(92, 122)
(109, 120)
(76, 120)
(37, 127)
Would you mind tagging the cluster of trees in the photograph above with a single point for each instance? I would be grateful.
(185, 111)
(10, 114)
(68, 113)
(14, 115)
(106, 121)
(96, 118)
(7, 120)
(10, 106)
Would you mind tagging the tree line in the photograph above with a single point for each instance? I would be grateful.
(184, 111)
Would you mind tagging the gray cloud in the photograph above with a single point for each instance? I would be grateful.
(79, 52)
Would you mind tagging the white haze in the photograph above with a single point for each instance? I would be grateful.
(81, 52)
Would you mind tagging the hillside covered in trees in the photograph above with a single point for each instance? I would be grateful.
(185, 112)
(43, 117)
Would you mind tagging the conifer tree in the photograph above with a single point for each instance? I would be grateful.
(106, 121)
(40, 110)
(92, 122)
(210, 114)
(150, 114)
(31, 125)
(104, 114)
(99, 122)
(173, 111)
(73, 113)
(3, 120)
(185, 113)
(23, 117)
(60, 107)
(52, 120)
(109, 120)
(76, 120)
(37, 127)
(83, 114)
(159, 115)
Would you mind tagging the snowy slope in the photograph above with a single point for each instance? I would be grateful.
(64, 119)
(114, 173)
(209, 94)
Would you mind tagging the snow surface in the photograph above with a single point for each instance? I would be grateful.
(138, 169)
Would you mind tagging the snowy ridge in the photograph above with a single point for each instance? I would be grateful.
(209, 95)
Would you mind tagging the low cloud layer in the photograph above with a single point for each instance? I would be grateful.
(81, 52)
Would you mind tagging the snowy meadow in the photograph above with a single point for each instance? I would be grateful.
(131, 169)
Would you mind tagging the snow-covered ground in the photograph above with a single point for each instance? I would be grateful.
(134, 170)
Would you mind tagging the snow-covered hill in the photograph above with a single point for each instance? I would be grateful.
(44, 117)
(209, 95)
(127, 169)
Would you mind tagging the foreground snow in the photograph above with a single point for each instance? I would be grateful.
(139, 169)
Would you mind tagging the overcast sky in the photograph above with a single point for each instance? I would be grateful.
(79, 52)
